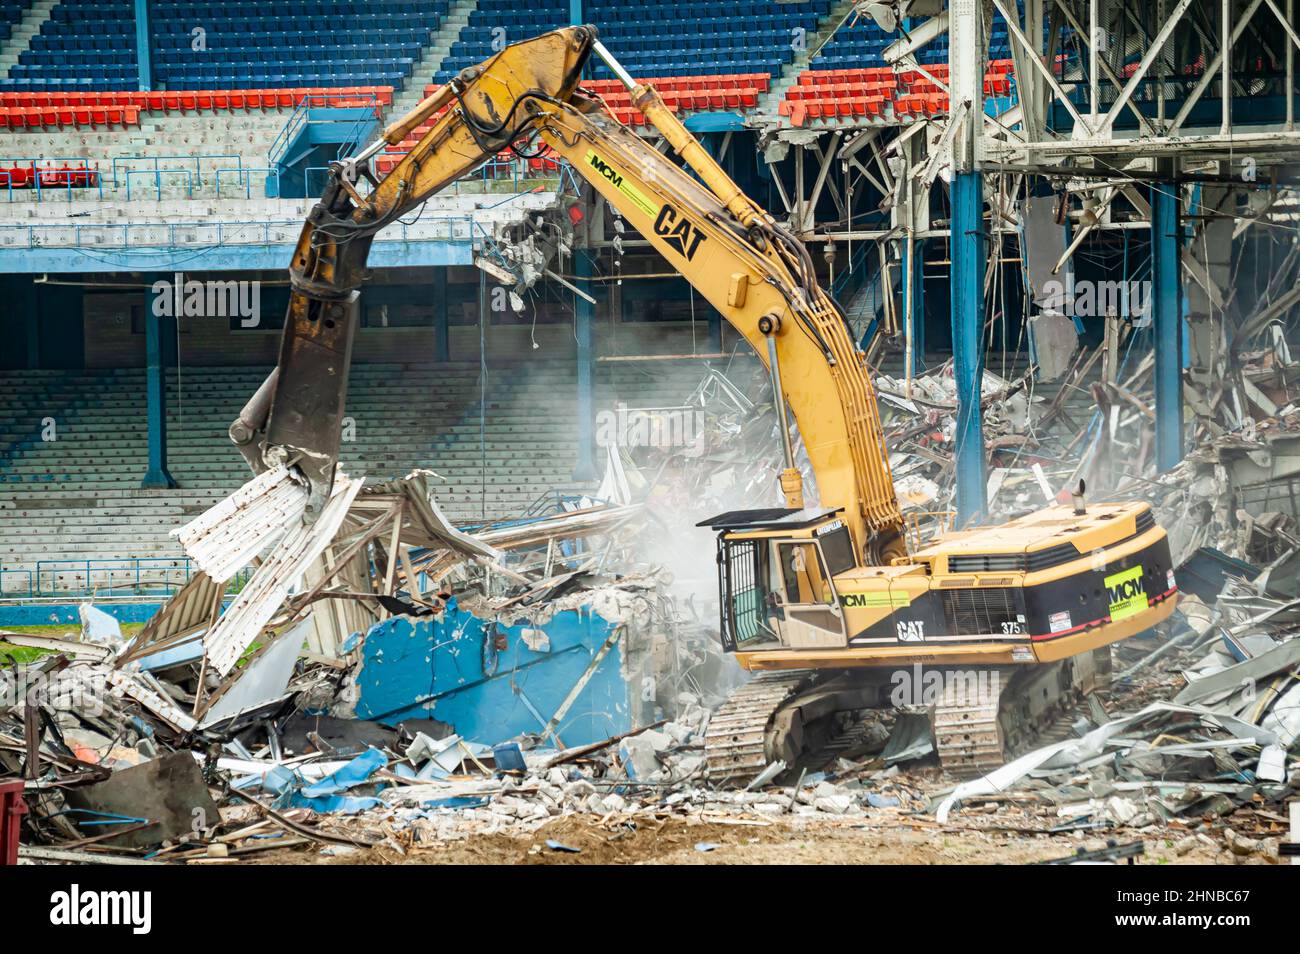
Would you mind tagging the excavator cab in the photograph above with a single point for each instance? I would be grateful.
(776, 574)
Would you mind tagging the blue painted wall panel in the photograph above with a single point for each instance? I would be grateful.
(436, 668)
(217, 258)
(60, 614)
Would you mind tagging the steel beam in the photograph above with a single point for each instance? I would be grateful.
(583, 326)
(1149, 57)
(1166, 305)
(914, 303)
(143, 65)
(157, 476)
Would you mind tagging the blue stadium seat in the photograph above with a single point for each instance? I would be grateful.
(668, 39)
(246, 44)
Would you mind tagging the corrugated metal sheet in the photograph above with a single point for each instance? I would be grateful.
(135, 685)
(333, 621)
(225, 537)
(284, 565)
(189, 610)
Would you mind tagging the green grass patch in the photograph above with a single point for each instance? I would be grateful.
(26, 654)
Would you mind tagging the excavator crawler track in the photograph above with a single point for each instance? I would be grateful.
(735, 745)
(974, 736)
(967, 737)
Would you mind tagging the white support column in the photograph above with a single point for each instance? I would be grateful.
(1094, 51)
(1226, 38)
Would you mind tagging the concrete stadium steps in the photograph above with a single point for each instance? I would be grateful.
(19, 33)
(78, 497)
(84, 220)
(198, 142)
(432, 55)
(47, 531)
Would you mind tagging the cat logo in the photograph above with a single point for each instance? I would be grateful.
(678, 232)
(1127, 593)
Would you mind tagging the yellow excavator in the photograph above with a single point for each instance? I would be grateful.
(825, 604)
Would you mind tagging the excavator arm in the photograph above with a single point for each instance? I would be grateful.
(758, 276)
(295, 416)
(761, 279)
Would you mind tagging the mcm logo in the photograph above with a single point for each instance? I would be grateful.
(1127, 593)
(678, 232)
(605, 169)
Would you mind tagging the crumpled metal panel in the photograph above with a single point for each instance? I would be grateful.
(484, 677)
(425, 525)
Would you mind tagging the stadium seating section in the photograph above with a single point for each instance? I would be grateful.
(664, 39)
(86, 485)
(11, 11)
(229, 44)
(57, 110)
(879, 93)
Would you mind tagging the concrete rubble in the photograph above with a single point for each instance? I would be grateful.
(385, 682)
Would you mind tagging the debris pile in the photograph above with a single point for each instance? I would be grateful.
(1214, 752)
(385, 682)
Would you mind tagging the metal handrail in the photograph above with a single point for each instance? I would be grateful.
(301, 115)
(27, 573)
(40, 164)
(131, 566)
(244, 175)
(157, 177)
(197, 160)
(136, 569)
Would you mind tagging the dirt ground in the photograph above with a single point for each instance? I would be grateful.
(673, 841)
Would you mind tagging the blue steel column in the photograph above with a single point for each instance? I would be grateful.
(1167, 308)
(969, 257)
(584, 319)
(441, 316)
(156, 399)
(967, 45)
(142, 53)
(914, 299)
